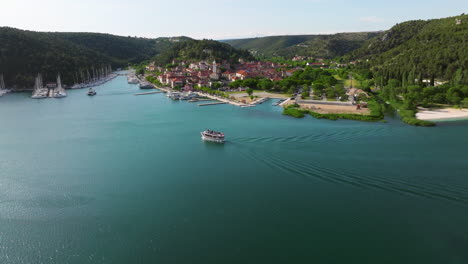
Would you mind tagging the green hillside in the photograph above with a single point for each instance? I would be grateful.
(426, 49)
(323, 46)
(23, 54)
(201, 50)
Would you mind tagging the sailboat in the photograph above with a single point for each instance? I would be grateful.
(3, 89)
(39, 92)
(59, 91)
(2, 85)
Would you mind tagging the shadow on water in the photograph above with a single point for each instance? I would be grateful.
(213, 145)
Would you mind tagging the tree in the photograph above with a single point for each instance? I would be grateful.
(249, 91)
(464, 103)
(265, 84)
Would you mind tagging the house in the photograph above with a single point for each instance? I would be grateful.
(151, 67)
(193, 66)
(242, 74)
(202, 66)
(162, 79)
(214, 76)
(227, 74)
(176, 82)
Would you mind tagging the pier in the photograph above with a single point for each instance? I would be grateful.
(215, 103)
(156, 92)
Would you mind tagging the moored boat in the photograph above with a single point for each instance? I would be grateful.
(213, 136)
(91, 92)
(59, 91)
(39, 91)
(175, 96)
(145, 85)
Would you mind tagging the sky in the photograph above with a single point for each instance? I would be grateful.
(220, 19)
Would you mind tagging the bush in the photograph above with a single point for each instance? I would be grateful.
(367, 118)
(294, 112)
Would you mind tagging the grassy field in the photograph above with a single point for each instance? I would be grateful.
(244, 92)
(347, 82)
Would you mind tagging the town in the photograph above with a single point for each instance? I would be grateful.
(241, 84)
(185, 76)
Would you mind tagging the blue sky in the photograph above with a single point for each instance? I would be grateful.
(221, 19)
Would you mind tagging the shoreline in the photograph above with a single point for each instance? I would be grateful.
(441, 115)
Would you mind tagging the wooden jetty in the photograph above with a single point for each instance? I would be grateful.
(216, 103)
(149, 93)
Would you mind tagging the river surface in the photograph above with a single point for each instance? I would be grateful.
(118, 178)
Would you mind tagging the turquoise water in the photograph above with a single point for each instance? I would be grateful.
(118, 178)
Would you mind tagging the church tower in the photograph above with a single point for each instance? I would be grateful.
(215, 67)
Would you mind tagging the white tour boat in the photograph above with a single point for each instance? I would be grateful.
(214, 136)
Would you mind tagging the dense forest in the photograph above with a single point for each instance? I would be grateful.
(417, 63)
(322, 46)
(191, 50)
(24, 54)
(433, 49)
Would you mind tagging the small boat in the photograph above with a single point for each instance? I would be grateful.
(132, 80)
(39, 96)
(60, 94)
(175, 96)
(193, 100)
(91, 92)
(145, 85)
(213, 136)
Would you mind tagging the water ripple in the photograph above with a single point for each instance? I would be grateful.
(360, 179)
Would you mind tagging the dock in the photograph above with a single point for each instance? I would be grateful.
(156, 92)
(216, 103)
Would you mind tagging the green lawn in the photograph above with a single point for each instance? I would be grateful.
(244, 92)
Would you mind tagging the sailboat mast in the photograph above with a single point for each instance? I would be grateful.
(2, 82)
(59, 82)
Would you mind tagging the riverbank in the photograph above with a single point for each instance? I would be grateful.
(443, 114)
(373, 115)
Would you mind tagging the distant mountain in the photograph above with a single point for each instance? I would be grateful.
(191, 50)
(23, 54)
(322, 46)
(436, 48)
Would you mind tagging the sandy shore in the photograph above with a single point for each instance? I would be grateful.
(441, 114)
(335, 109)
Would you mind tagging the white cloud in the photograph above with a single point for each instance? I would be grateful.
(371, 19)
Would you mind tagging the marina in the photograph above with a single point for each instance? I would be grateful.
(94, 78)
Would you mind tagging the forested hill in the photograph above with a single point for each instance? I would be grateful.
(429, 49)
(23, 54)
(323, 46)
(191, 50)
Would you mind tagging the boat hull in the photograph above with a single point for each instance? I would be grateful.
(211, 139)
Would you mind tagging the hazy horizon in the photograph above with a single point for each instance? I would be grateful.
(220, 20)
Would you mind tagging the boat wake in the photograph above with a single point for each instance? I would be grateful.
(319, 136)
(361, 179)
